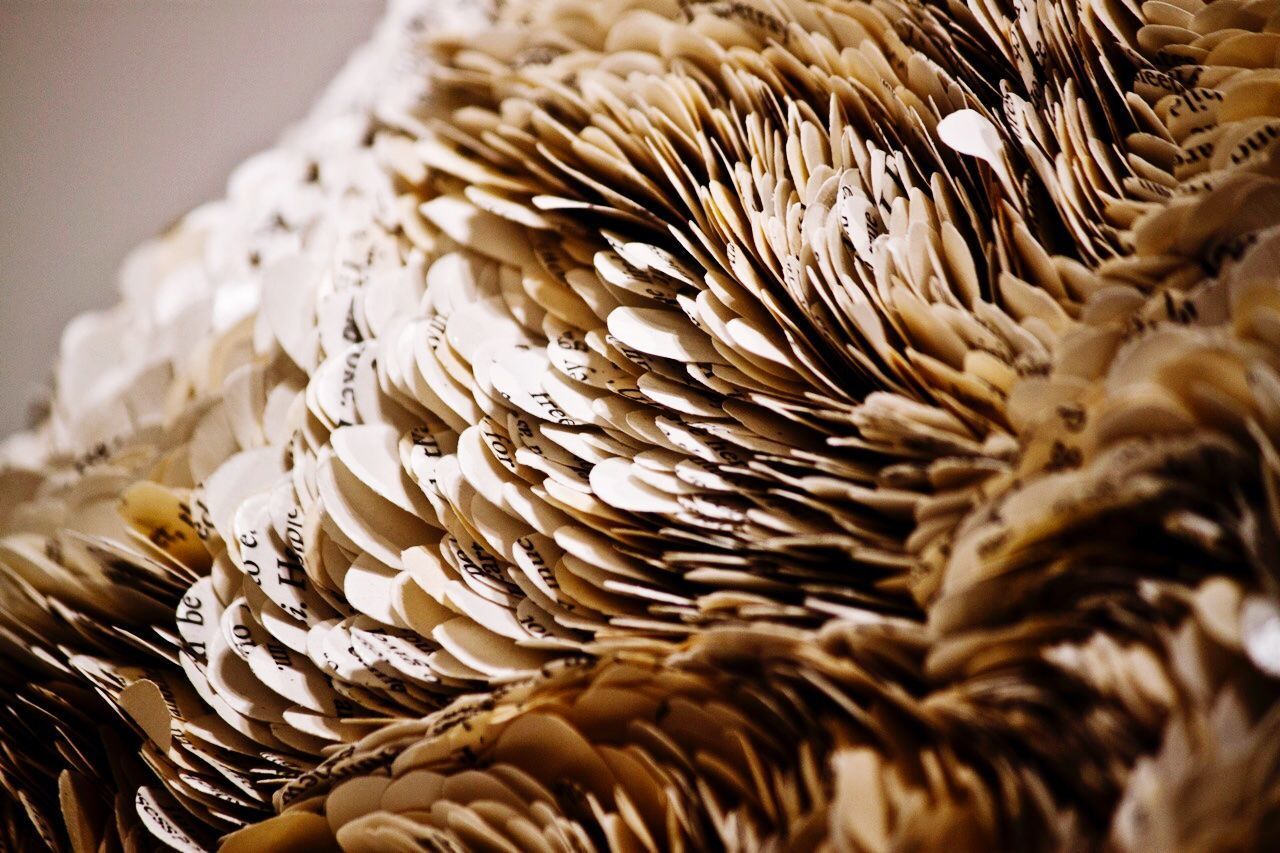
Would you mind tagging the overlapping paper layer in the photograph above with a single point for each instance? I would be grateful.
(768, 424)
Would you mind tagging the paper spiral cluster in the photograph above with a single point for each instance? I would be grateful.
(646, 425)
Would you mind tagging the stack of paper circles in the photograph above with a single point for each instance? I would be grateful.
(650, 425)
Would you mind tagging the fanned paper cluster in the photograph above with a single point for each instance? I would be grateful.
(650, 425)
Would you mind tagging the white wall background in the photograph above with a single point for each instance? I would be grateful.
(116, 116)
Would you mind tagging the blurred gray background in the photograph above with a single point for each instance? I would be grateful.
(116, 116)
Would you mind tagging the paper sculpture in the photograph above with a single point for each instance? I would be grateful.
(649, 425)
